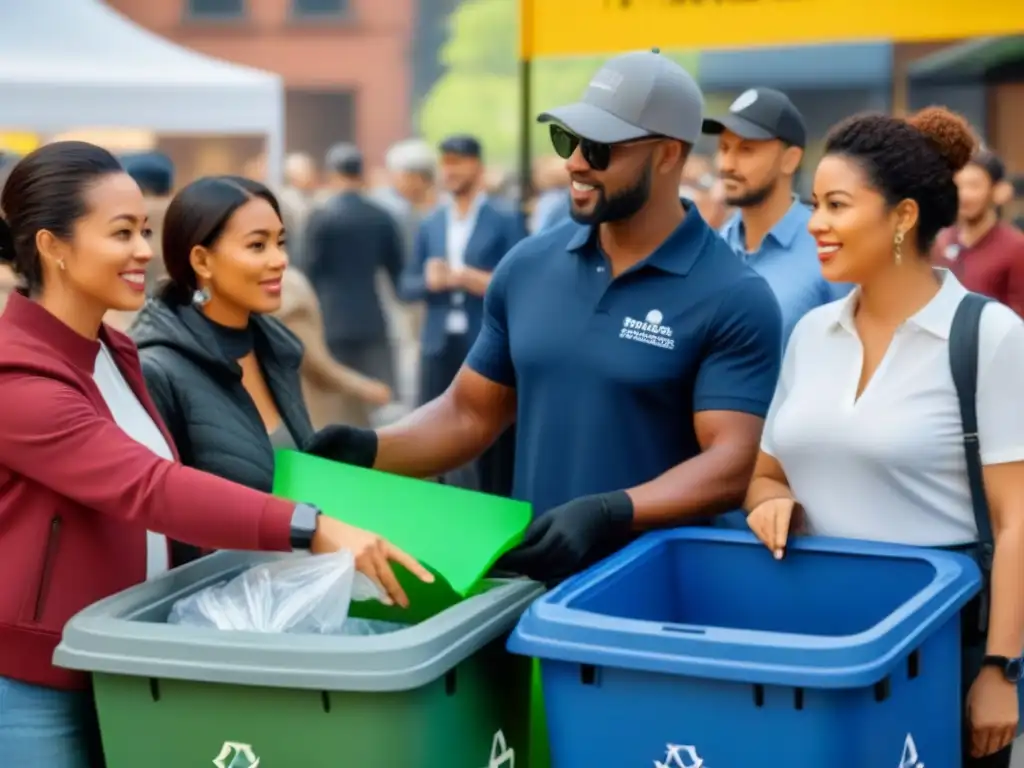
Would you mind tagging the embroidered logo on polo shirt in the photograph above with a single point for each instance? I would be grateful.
(648, 331)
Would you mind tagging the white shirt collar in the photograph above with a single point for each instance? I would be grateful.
(935, 317)
(471, 213)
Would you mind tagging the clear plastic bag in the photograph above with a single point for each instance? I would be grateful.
(366, 627)
(304, 595)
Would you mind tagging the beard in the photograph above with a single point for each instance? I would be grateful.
(460, 187)
(751, 197)
(977, 217)
(620, 206)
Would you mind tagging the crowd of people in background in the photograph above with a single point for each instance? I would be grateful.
(383, 326)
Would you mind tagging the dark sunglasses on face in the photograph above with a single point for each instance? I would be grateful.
(597, 155)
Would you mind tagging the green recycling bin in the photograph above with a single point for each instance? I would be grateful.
(439, 694)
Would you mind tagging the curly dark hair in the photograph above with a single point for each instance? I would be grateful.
(914, 158)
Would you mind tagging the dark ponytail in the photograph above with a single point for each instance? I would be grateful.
(6, 243)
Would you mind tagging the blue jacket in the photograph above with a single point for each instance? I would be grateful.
(495, 233)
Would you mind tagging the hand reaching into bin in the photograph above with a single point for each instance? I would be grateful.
(773, 520)
(373, 555)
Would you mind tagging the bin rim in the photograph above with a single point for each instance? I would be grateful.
(108, 637)
(552, 630)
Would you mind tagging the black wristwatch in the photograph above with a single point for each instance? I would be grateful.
(1013, 669)
(304, 520)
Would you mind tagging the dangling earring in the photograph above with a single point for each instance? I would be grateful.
(897, 248)
(201, 296)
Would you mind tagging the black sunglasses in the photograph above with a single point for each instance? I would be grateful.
(597, 154)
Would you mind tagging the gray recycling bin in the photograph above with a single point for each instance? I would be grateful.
(439, 694)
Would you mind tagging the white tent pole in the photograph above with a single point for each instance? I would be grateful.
(275, 143)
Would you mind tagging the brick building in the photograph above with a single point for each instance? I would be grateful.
(345, 64)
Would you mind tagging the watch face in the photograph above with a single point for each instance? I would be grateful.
(1014, 670)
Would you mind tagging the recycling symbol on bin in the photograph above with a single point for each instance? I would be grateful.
(910, 758)
(236, 755)
(502, 755)
(678, 756)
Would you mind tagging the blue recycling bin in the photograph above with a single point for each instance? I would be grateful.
(693, 648)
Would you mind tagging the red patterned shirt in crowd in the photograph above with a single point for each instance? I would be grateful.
(993, 266)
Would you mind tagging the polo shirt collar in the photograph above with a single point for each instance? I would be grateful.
(935, 317)
(783, 233)
(676, 254)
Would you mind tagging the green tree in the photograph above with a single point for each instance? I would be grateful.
(479, 94)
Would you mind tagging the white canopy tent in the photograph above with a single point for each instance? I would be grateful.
(68, 64)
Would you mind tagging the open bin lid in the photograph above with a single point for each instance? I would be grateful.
(457, 533)
(568, 625)
(126, 634)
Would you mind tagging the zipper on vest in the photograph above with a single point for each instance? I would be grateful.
(49, 558)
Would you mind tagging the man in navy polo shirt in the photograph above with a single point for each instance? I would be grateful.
(637, 353)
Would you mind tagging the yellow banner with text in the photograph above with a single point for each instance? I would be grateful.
(588, 27)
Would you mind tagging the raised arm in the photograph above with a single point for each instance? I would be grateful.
(53, 435)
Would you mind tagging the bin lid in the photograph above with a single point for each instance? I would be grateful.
(570, 623)
(126, 634)
(458, 534)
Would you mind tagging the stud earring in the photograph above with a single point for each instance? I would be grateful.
(897, 248)
(61, 265)
(201, 296)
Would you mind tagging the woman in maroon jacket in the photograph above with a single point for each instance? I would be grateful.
(89, 480)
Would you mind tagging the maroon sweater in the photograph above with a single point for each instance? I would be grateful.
(993, 266)
(77, 495)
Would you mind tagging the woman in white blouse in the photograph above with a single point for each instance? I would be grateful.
(864, 437)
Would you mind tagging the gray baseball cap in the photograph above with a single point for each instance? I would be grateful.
(632, 96)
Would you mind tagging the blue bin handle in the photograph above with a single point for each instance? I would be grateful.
(684, 629)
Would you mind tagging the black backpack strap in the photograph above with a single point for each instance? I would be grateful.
(963, 362)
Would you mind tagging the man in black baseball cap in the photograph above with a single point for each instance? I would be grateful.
(760, 146)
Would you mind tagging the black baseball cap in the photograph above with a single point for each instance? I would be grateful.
(152, 171)
(762, 114)
(989, 162)
(462, 145)
(345, 159)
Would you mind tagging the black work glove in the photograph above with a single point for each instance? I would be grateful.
(340, 442)
(571, 537)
